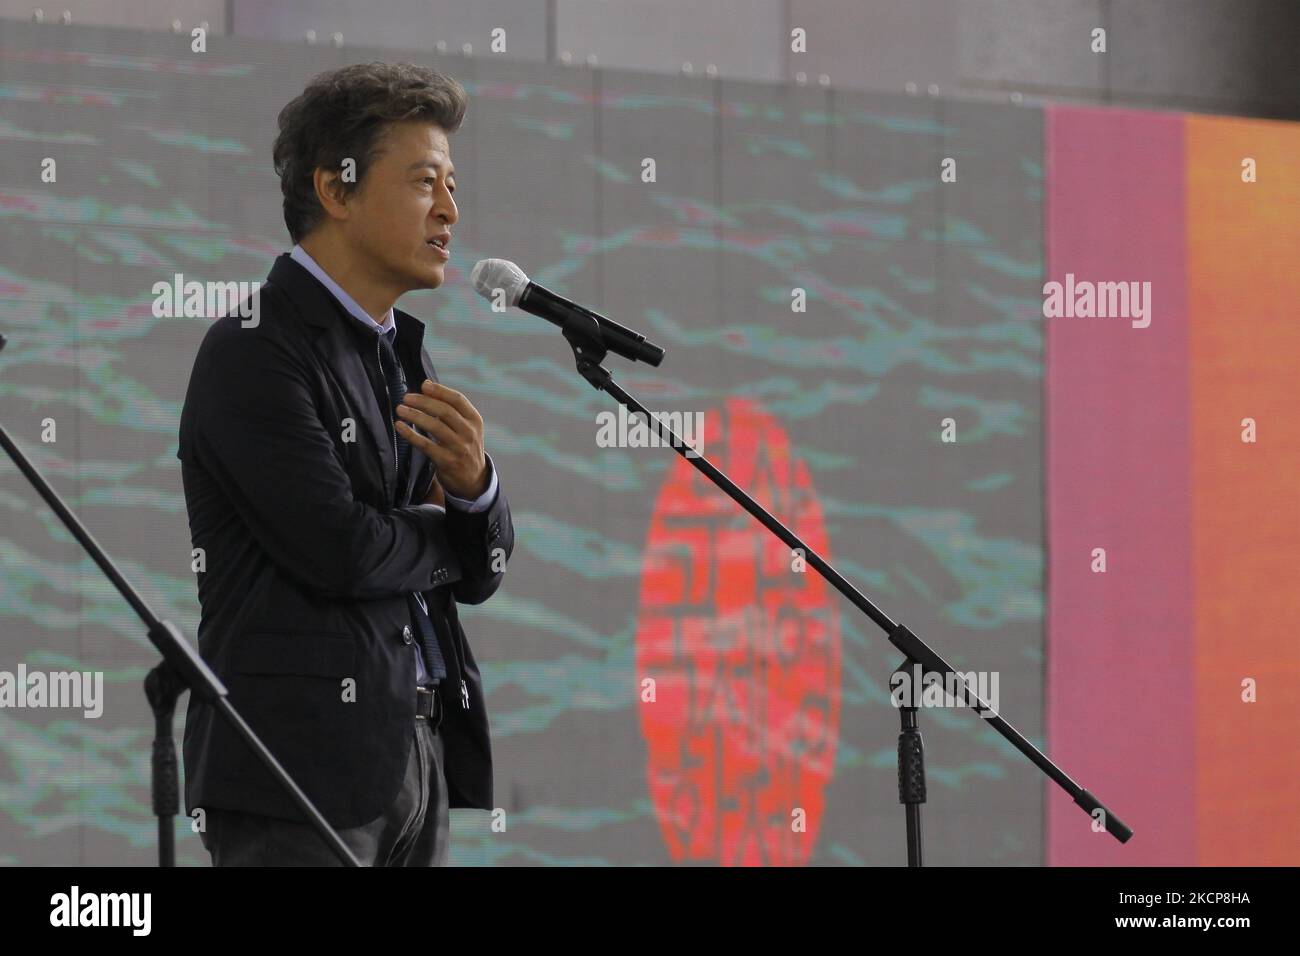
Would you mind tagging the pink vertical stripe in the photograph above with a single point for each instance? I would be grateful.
(1120, 678)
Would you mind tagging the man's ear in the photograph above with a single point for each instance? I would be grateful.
(329, 192)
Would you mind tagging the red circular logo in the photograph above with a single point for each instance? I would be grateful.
(742, 642)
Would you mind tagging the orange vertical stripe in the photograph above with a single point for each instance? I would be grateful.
(1244, 306)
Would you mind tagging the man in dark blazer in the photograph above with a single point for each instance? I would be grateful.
(341, 503)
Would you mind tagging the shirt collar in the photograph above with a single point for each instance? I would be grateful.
(389, 325)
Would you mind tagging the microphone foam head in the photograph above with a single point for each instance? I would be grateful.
(488, 275)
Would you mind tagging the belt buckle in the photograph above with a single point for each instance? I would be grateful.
(434, 714)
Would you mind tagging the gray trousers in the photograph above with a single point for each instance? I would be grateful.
(413, 831)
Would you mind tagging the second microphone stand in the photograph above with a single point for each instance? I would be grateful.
(584, 336)
(181, 669)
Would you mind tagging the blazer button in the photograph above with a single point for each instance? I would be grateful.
(407, 637)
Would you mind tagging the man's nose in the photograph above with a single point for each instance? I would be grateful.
(447, 211)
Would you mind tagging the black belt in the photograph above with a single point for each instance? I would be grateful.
(428, 705)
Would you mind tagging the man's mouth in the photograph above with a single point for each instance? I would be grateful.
(439, 246)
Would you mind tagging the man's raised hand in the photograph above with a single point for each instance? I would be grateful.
(455, 444)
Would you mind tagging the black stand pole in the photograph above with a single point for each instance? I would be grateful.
(584, 336)
(181, 669)
(911, 776)
(163, 690)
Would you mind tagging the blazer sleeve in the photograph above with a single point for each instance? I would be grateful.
(257, 431)
(484, 541)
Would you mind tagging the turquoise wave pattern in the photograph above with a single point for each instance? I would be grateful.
(920, 307)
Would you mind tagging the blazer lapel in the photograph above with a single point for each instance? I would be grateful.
(337, 344)
(408, 346)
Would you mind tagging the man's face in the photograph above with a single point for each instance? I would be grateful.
(404, 201)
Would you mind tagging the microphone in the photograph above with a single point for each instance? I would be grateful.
(489, 275)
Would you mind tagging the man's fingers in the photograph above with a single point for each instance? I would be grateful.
(431, 448)
(426, 409)
(454, 398)
(454, 427)
(441, 425)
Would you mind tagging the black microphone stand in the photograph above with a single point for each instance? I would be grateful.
(584, 336)
(181, 669)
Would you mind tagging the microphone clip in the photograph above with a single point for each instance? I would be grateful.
(583, 334)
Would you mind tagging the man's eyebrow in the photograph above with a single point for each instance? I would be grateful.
(422, 163)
